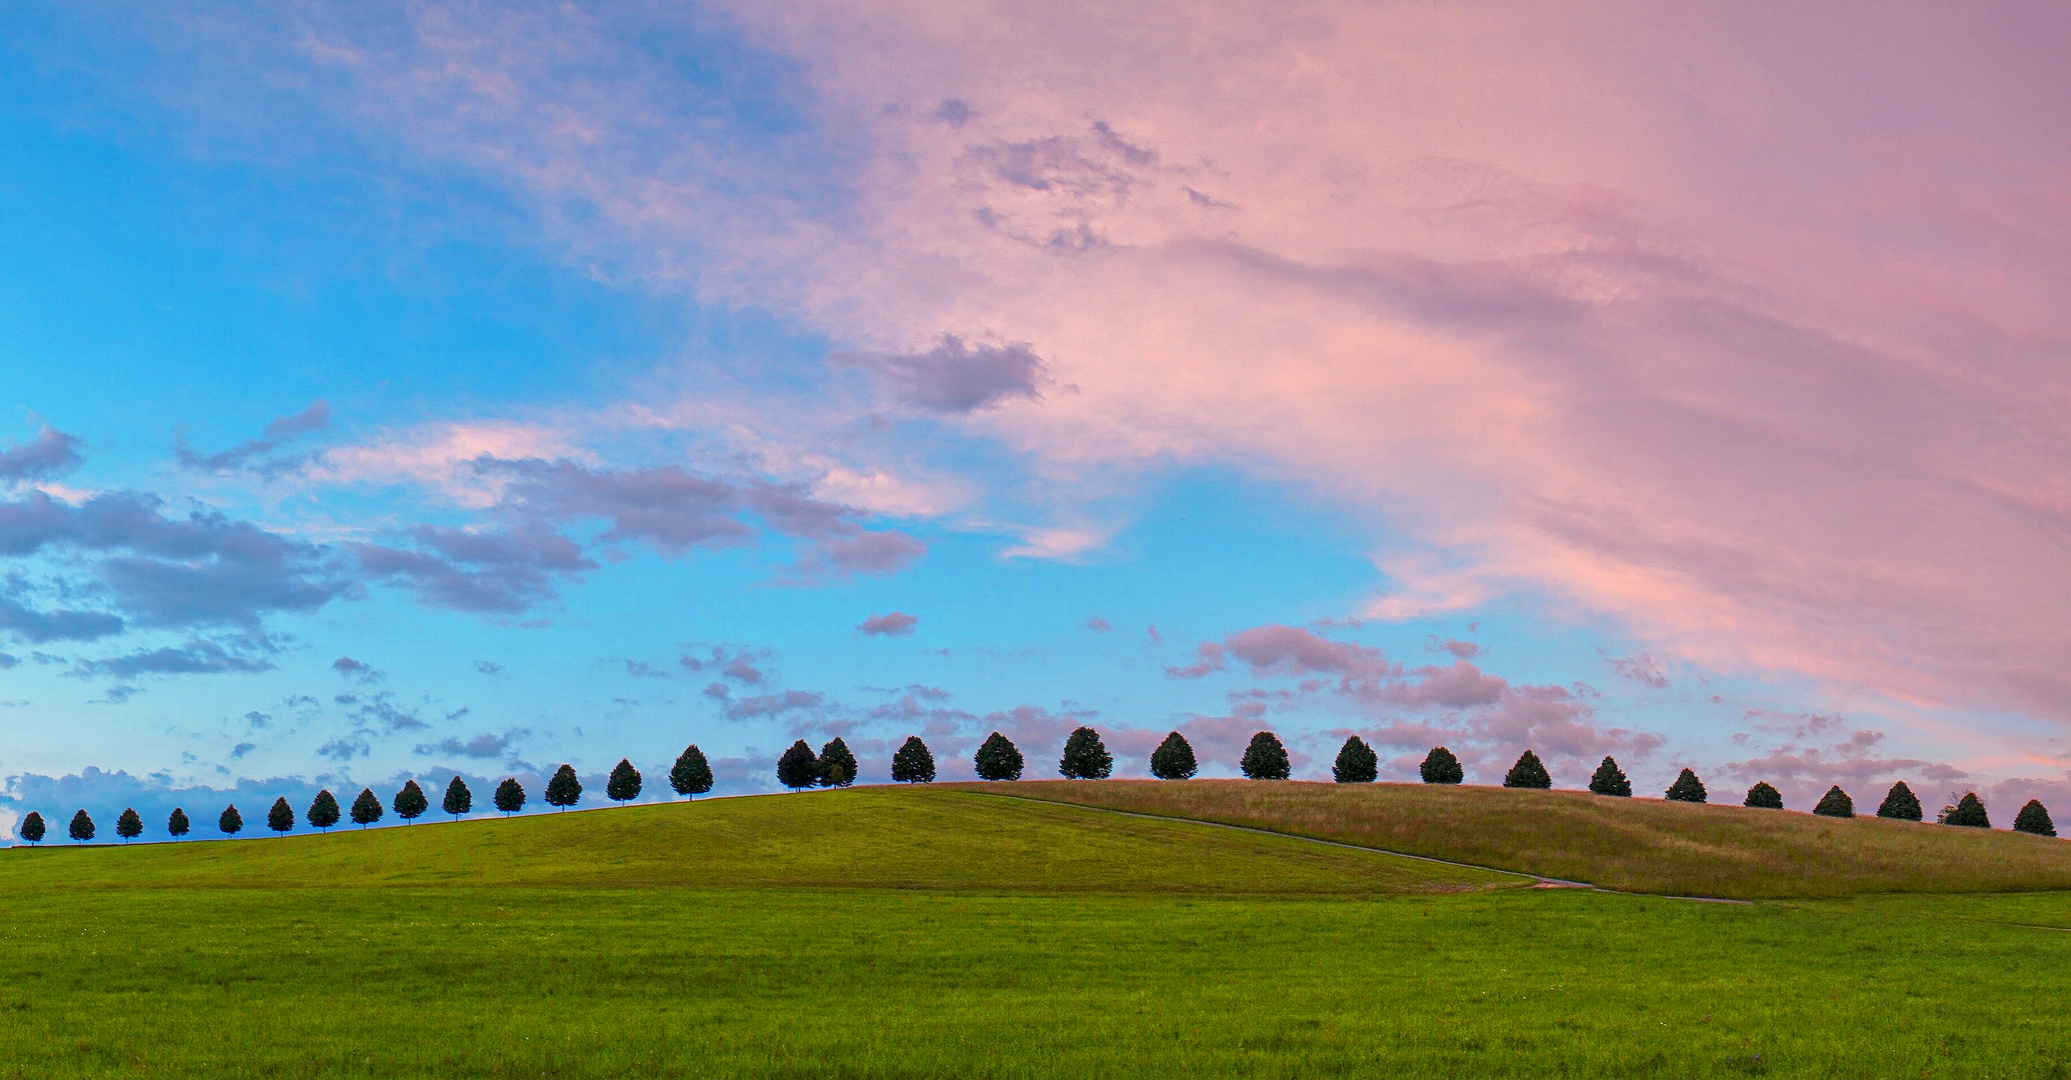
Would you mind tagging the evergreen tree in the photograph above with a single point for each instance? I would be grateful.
(366, 810)
(410, 802)
(1835, 803)
(231, 822)
(624, 782)
(82, 827)
(128, 825)
(1085, 757)
(323, 810)
(1356, 763)
(1441, 767)
(1764, 797)
(997, 759)
(913, 764)
(1969, 811)
(1529, 772)
(1265, 758)
(835, 766)
(33, 828)
(177, 825)
(1174, 759)
(2034, 818)
(1609, 779)
(1900, 803)
(280, 817)
(799, 768)
(563, 789)
(1687, 788)
(691, 775)
(459, 800)
(510, 796)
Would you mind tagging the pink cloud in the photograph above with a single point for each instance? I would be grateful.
(893, 624)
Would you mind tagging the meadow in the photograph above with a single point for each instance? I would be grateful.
(938, 933)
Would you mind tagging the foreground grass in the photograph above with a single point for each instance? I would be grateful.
(1641, 845)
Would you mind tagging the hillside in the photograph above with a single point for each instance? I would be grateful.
(1638, 845)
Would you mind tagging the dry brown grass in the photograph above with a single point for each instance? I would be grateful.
(1640, 845)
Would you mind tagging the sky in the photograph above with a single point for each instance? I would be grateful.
(416, 390)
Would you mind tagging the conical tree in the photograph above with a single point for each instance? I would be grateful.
(1609, 779)
(913, 764)
(1174, 759)
(1356, 763)
(177, 824)
(835, 765)
(1765, 797)
(624, 782)
(2034, 818)
(1529, 772)
(1265, 758)
(510, 796)
(366, 810)
(1900, 803)
(280, 817)
(128, 825)
(798, 768)
(410, 802)
(1687, 788)
(691, 775)
(33, 828)
(1969, 811)
(459, 800)
(82, 827)
(323, 810)
(231, 822)
(1085, 756)
(563, 789)
(997, 759)
(1835, 803)
(1441, 767)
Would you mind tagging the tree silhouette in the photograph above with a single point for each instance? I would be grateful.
(177, 824)
(231, 822)
(280, 817)
(1356, 763)
(1441, 767)
(323, 811)
(82, 827)
(366, 810)
(1609, 779)
(1085, 756)
(563, 789)
(2034, 818)
(624, 782)
(128, 825)
(798, 767)
(1900, 803)
(410, 802)
(33, 828)
(1968, 812)
(1528, 772)
(835, 766)
(1764, 797)
(913, 764)
(691, 775)
(1265, 758)
(1687, 788)
(998, 759)
(1174, 759)
(459, 800)
(510, 796)
(1835, 803)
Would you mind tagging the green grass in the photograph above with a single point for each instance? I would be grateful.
(876, 933)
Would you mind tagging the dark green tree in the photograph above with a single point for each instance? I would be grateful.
(410, 802)
(82, 827)
(1356, 763)
(798, 768)
(1687, 788)
(1764, 797)
(231, 822)
(366, 810)
(280, 817)
(459, 800)
(323, 810)
(1085, 756)
(563, 789)
(510, 796)
(2034, 818)
(913, 764)
(177, 825)
(624, 782)
(691, 775)
(835, 766)
(1265, 758)
(1529, 772)
(1609, 779)
(1174, 759)
(33, 828)
(128, 825)
(1441, 767)
(1835, 803)
(997, 759)
(1969, 812)
(1900, 803)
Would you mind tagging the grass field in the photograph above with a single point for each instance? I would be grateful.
(917, 933)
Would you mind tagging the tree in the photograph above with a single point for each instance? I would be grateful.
(1529, 772)
(798, 768)
(563, 789)
(623, 783)
(1687, 788)
(410, 802)
(82, 827)
(913, 764)
(1356, 763)
(1174, 759)
(177, 825)
(1441, 767)
(1609, 779)
(459, 800)
(1085, 756)
(1764, 797)
(1265, 758)
(510, 796)
(1835, 803)
(323, 810)
(280, 817)
(33, 828)
(691, 775)
(366, 810)
(1900, 803)
(2034, 818)
(1969, 812)
(231, 822)
(835, 765)
(128, 825)
(997, 759)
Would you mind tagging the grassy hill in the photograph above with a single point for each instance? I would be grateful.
(1638, 845)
